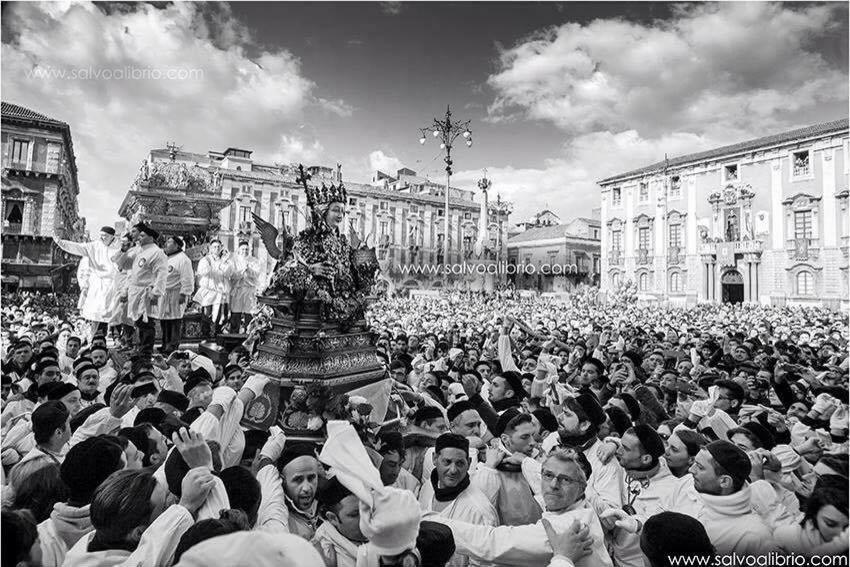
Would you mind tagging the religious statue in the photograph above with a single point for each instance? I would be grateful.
(323, 265)
(311, 337)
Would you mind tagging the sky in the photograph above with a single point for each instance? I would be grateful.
(559, 95)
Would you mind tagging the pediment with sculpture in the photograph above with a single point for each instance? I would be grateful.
(733, 194)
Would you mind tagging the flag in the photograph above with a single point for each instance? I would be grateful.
(377, 395)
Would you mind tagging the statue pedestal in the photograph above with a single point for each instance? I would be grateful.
(303, 354)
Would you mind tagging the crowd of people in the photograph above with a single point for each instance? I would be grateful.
(520, 431)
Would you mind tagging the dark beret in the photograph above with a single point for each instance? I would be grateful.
(332, 493)
(588, 404)
(426, 413)
(451, 440)
(514, 380)
(458, 408)
(732, 458)
(504, 419)
(650, 440)
(176, 399)
(292, 451)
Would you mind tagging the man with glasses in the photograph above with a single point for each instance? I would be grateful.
(563, 482)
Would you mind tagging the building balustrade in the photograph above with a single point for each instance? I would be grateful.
(740, 246)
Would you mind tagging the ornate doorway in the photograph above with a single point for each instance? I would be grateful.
(732, 284)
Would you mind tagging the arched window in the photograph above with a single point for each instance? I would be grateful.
(675, 282)
(643, 282)
(805, 283)
(615, 280)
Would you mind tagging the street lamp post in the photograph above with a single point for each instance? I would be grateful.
(447, 131)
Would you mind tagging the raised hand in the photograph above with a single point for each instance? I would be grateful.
(121, 401)
(193, 448)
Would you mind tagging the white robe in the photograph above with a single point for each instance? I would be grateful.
(213, 281)
(526, 545)
(101, 277)
(180, 281)
(471, 506)
(245, 284)
(146, 280)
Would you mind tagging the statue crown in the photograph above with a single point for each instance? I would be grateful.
(317, 196)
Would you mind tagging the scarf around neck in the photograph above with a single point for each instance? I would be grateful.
(447, 494)
(505, 403)
(581, 442)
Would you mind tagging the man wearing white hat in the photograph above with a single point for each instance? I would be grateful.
(97, 307)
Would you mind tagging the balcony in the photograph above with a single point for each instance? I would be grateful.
(802, 249)
(615, 257)
(845, 245)
(739, 246)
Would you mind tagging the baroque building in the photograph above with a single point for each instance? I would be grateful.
(402, 214)
(39, 199)
(762, 221)
(556, 258)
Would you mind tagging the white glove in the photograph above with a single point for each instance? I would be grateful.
(702, 408)
(223, 396)
(618, 518)
(823, 402)
(838, 421)
(256, 383)
(274, 446)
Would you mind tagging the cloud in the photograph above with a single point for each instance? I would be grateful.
(380, 161)
(338, 107)
(128, 78)
(747, 63)
(625, 94)
(391, 8)
(296, 150)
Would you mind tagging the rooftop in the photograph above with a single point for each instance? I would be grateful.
(557, 231)
(740, 147)
(11, 110)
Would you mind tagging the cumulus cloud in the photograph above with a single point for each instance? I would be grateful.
(296, 150)
(380, 161)
(750, 63)
(127, 78)
(625, 93)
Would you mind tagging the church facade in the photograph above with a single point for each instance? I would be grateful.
(763, 221)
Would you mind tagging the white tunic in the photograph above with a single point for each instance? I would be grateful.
(101, 276)
(245, 284)
(213, 281)
(180, 281)
(146, 280)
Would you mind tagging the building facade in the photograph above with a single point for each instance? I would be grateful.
(763, 221)
(402, 214)
(556, 258)
(39, 198)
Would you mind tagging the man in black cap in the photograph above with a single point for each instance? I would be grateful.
(506, 391)
(721, 472)
(146, 282)
(99, 303)
(578, 426)
(647, 482)
(339, 536)
(448, 490)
